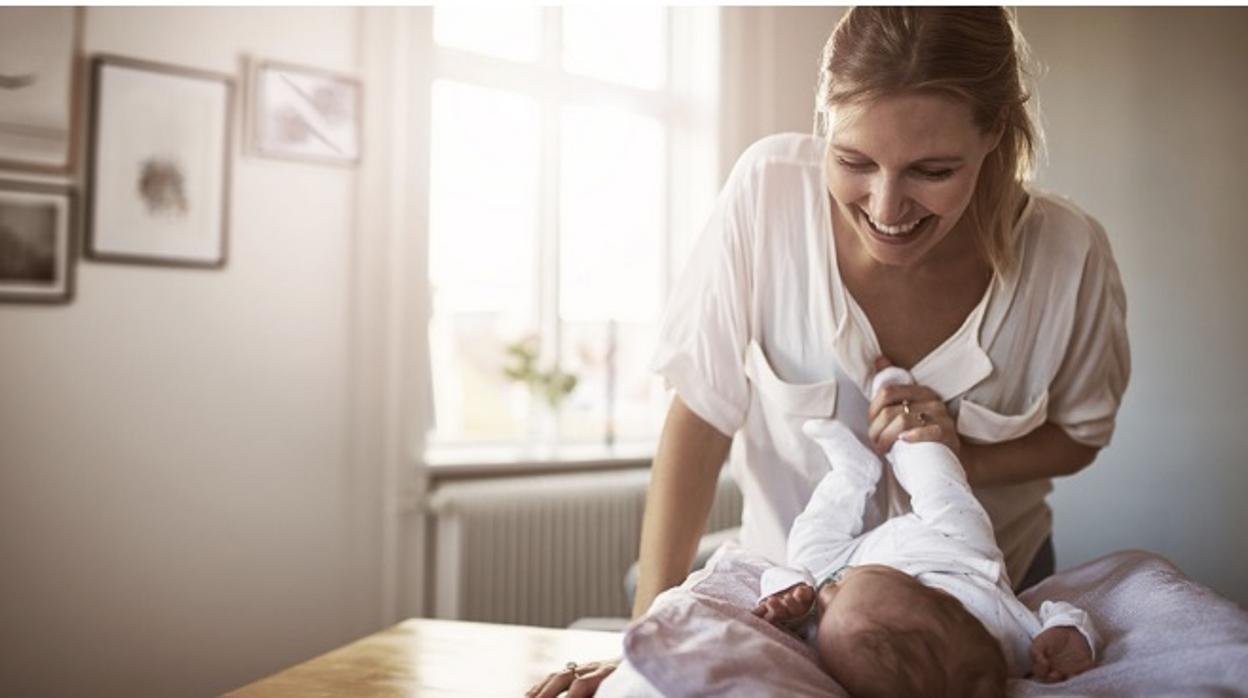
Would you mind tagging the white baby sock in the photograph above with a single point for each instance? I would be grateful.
(890, 376)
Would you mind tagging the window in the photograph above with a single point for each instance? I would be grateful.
(572, 161)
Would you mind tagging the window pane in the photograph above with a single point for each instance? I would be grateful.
(618, 44)
(610, 256)
(583, 352)
(483, 241)
(616, 392)
(640, 399)
(513, 33)
(612, 177)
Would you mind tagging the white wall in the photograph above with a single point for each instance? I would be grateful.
(770, 65)
(1144, 116)
(178, 511)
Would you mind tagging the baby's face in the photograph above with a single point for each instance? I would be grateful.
(879, 598)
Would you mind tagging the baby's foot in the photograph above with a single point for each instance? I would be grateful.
(788, 609)
(890, 375)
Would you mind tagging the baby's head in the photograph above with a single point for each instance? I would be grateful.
(881, 633)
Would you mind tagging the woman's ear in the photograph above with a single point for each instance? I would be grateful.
(997, 133)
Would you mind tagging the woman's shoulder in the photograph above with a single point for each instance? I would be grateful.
(780, 177)
(1058, 235)
(783, 151)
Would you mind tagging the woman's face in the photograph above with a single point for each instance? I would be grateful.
(902, 170)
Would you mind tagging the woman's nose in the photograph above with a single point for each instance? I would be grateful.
(888, 200)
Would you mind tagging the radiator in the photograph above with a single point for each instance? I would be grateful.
(544, 550)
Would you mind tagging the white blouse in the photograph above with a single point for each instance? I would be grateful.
(761, 334)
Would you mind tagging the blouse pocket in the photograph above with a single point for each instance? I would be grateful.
(980, 424)
(799, 399)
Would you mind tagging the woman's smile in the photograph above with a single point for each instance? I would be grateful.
(898, 234)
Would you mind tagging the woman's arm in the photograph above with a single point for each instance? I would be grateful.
(1044, 453)
(678, 501)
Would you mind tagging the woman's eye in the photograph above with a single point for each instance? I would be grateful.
(928, 174)
(854, 166)
(935, 175)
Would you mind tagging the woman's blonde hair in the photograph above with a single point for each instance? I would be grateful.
(975, 54)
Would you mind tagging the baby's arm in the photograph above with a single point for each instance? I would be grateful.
(1066, 645)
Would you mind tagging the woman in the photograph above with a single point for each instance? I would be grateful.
(902, 232)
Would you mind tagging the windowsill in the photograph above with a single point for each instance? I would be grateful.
(444, 463)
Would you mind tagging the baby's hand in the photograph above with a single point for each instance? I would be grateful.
(1058, 654)
(787, 609)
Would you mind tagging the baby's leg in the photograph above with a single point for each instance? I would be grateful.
(940, 495)
(825, 530)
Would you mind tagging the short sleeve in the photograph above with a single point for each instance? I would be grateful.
(1088, 388)
(705, 329)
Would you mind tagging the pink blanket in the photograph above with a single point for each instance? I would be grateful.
(1164, 635)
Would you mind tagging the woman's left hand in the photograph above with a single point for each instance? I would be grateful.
(579, 680)
(913, 410)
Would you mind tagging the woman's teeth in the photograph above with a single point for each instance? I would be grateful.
(896, 229)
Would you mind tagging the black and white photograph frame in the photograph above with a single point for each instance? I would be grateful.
(37, 224)
(301, 113)
(159, 171)
(39, 86)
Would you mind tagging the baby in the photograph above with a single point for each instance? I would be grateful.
(921, 605)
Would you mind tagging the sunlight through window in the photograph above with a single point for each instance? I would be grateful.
(513, 33)
(551, 207)
(611, 249)
(483, 222)
(619, 44)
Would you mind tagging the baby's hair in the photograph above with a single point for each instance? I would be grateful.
(888, 664)
(882, 661)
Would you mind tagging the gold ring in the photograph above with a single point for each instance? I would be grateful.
(905, 407)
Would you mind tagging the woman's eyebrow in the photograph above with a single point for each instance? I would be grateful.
(930, 160)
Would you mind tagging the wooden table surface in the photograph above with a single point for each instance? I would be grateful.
(424, 657)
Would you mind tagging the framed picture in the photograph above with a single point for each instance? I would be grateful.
(159, 175)
(304, 114)
(36, 242)
(38, 87)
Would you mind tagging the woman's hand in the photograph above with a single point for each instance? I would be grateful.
(911, 413)
(579, 680)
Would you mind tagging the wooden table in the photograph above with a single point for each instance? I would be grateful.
(423, 657)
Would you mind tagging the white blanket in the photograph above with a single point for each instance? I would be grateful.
(1164, 635)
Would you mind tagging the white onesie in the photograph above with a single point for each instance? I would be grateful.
(945, 543)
